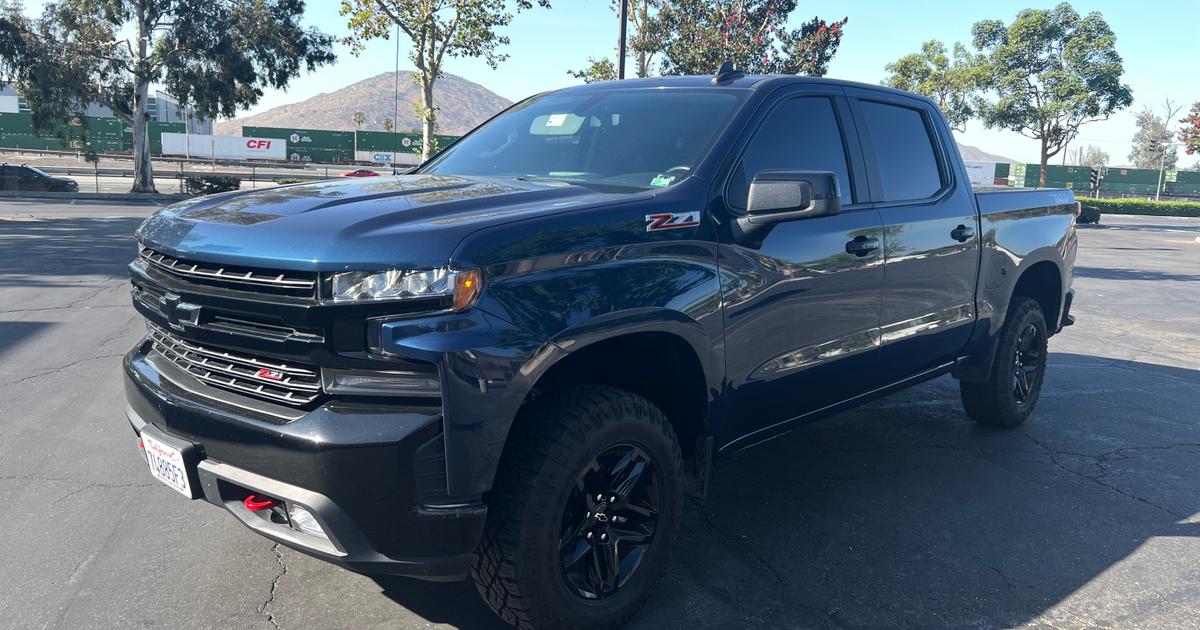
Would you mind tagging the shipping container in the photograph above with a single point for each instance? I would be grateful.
(399, 142)
(309, 145)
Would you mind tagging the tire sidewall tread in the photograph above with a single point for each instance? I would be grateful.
(992, 402)
(515, 571)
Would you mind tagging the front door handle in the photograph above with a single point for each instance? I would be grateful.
(962, 233)
(861, 246)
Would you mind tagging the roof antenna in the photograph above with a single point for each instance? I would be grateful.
(727, 73)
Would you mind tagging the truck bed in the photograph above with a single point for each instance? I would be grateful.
(993, 199)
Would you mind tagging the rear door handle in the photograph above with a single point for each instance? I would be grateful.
(861, 246)
(962, 233)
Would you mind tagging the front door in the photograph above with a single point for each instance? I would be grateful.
(802, 309)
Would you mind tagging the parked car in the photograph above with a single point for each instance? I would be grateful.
(362, 172)
(31, 178)
(515, 362)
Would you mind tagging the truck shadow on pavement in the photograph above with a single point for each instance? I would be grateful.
(903, 513)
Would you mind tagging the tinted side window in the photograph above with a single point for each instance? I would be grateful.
(908, 166)
(801, 134)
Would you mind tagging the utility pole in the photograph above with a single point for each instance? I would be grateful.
(621, 40)
(396, 104)
(1162, 163)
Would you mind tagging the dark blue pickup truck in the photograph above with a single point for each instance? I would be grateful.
(513, 363)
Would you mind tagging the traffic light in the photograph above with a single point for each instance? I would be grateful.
(1095, 178)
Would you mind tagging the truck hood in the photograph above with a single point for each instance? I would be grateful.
(407, 221)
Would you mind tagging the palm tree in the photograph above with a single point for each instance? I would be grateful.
(388, 125)
(359, 118)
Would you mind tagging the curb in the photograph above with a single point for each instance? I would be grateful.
(22, 194)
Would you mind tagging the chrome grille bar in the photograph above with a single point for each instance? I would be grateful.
(295, 283)
(297, 386)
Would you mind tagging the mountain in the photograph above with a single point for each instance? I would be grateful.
(461, 106)
(973, 154)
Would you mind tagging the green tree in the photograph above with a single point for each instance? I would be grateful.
(646, 32)
(645, 41)
(358, 119)
(698, 35)
(597, 70)
(217, 56)
(1092, 157)
(1152, 143)
(436, 29)
(1051, 72)
(1189, 133)
(951, 82)
(388, 125)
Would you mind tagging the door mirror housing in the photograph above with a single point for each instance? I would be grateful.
(778, 196)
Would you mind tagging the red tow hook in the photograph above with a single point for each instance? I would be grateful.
(255, 503)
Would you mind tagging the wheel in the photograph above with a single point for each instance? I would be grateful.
(585, 508)
(1011, 393)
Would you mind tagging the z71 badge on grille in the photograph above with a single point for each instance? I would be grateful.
(672, 220)
(274, 375)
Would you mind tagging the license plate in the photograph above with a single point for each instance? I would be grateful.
(166, 464)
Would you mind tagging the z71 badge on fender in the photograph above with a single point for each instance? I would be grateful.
(672, 220)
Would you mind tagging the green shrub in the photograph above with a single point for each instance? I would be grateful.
(290, 180)
(1093, 208)
(209, 184)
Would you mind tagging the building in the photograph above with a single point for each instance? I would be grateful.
(100, 130)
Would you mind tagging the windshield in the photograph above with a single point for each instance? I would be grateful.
(626, 138)
(37, 170)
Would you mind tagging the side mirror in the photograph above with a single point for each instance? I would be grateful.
(778, 196)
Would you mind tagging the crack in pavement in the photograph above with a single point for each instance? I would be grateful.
(82, 485)
(61, 368)
(38, 309)
(106, 286)
(274, 587)
(745, 550)
(102, 486)
(1100, 460)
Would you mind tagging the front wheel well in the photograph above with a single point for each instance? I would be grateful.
(660, 367)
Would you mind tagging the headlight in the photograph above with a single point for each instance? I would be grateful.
(460, 287)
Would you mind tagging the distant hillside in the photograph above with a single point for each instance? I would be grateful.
(973, 154)
(461, 106)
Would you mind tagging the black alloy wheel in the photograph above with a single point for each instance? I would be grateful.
(586, 504)
(1011, 392)
(609, 521)
(1027, 363)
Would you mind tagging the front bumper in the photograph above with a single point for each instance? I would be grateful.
(369, 473)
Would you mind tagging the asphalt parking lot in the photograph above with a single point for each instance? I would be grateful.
(898, 514)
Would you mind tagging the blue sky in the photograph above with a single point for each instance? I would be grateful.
(1158, 41)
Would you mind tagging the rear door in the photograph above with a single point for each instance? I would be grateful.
(28, 179)
(930, 232)
(801, 312)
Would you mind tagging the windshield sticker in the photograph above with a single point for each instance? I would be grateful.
(662, 181)
(556, 120)
(672, 220)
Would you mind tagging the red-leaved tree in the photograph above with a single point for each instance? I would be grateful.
(1189, 133)
(701, 34)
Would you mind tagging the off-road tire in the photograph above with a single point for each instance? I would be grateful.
(995, 402)
(517, 566)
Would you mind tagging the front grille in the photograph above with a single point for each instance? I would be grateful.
(268, 379)
(293, 283)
